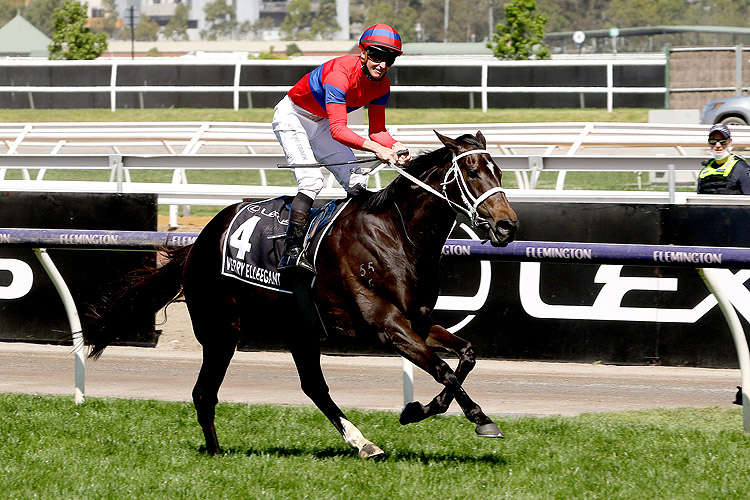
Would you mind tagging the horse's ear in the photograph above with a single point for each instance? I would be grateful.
(447, 141)
(481, 140)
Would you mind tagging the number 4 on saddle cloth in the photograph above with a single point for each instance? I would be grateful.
(254, 243)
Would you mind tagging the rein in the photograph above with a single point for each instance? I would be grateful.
(470, 203)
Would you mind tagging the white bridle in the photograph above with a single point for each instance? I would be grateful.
(470, 203)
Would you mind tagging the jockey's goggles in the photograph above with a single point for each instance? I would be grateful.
(723, 142)
(378, 56)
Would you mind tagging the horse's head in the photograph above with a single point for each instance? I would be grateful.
(473, 187)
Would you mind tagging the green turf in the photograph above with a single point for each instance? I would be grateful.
(395, 116)
(134, 449)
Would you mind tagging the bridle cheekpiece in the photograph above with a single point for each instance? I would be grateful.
(469, 201)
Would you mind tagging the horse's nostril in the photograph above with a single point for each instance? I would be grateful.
(507, 225)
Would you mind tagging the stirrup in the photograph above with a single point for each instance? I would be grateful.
(295, 258)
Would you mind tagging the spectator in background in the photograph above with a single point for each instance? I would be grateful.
(725, 173)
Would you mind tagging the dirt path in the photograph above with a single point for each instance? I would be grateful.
(168, 372)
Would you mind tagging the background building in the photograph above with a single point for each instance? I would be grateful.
(250, 11)
(19, 37)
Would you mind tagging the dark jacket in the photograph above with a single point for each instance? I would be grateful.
(733, 177)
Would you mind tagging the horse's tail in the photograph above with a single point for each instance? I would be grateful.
(147, 290)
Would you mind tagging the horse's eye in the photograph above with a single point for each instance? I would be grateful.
(473, 173)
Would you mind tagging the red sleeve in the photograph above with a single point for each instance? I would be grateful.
(340, 131)
(378, 133)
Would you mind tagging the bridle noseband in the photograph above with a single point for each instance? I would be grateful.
(470, 203)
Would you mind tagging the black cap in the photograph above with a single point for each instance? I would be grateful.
(722, 129)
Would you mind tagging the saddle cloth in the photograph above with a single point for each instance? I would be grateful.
(254, 242)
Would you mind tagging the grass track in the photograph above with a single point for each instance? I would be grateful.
(116, 449)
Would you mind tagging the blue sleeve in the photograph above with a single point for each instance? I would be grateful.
(334, 94)
(383, 99)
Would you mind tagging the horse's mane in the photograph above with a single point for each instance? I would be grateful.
(416, 166)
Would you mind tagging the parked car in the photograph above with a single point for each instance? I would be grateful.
(730, 111)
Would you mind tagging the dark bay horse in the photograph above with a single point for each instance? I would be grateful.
(377, 277)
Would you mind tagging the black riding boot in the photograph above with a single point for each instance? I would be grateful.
(294, 256)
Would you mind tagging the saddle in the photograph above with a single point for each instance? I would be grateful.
(254, 241)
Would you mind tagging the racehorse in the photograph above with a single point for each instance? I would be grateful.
(377, 278)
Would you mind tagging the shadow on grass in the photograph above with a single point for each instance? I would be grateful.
(345, 452)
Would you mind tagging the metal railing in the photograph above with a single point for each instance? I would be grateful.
(178, 192)
(523, 149)
(196, 138)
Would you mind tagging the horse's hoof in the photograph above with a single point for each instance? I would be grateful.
(412, 412)
(371, 451)
(490, 430)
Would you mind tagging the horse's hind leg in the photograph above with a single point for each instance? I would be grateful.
(440, 337)
(307, 359)
(218, 334)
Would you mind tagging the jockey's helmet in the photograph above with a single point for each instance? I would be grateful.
(381, 36)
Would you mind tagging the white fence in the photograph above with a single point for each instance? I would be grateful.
(197, 138)
(236, 89)
(524, 149)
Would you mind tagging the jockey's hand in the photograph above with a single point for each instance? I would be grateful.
(388, 155)
(401, 153)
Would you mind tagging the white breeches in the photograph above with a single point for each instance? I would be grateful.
(306, 138)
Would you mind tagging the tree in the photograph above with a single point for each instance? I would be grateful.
(70, 40)
(221, 19)
(9, 9)
(147, 30)
(324, 23)
(110, 16)
(261, 25)
(523, 34)
(627, 13)
(298, 17)
(41, 13)
(574, 15)
(468, 20)
(403, 18)
(176, 28)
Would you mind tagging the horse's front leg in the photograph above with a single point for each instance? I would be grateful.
(307, 359)
(440, 337)
(412, 347)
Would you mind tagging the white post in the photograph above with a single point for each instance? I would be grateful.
(408, 368)
(73, 320)
(712, 282)
(671, 182)
(236, 84)
(485, 71)
(610, 84)
(113, 88)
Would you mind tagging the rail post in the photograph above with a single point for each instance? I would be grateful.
(735, 327)
(73, 320)
(408, 369)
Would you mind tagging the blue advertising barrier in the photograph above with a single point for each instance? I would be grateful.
(94, 239)
(602, 253)
(703, 258)
(540, 251)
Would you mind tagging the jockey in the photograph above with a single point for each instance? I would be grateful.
(311, 126)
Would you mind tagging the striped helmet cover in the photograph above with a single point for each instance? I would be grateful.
(381, 35)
